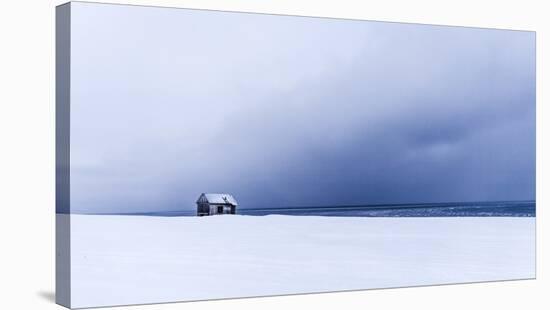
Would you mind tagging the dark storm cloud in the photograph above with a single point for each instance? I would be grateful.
(284, 111)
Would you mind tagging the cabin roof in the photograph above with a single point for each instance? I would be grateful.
(217, 198)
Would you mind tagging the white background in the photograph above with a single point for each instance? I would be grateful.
(27, 152)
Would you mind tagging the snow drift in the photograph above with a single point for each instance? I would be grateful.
(120, 260)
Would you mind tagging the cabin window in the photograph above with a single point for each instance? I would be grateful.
(220, 209)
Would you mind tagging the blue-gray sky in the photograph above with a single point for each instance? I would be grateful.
(294, 111)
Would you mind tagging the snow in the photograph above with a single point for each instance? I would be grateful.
(218, 198)
(119, 260)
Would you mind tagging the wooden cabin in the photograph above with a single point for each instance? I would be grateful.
(215, 204)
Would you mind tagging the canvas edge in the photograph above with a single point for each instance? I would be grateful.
(62, 155)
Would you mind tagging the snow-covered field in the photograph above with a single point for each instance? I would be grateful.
(144, 259)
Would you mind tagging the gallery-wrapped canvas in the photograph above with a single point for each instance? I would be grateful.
(206, 154)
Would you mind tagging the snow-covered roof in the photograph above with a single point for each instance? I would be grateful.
(217, 198)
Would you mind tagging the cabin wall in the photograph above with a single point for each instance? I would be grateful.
(213, 209)
(203, 209)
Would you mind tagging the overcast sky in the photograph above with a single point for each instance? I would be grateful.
(293, 111)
